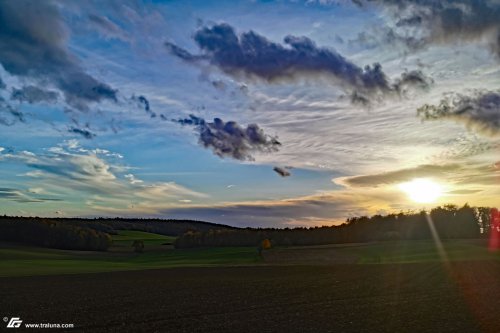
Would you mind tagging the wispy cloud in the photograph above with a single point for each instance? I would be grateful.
(62, 64)
(398, 176)
(33, 94)
(320, 209)
(458, 177)
(69, 169)
(362, 195)
(21, 196)
(107, 28)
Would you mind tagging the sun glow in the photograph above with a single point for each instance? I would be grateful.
(422, 190)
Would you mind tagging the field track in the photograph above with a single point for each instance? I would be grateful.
(423, 297)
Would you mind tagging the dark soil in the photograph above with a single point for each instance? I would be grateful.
(427, 297)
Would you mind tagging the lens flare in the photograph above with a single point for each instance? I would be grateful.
(422, 190)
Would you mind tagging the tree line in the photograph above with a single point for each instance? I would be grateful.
(166, 227)
(89, 234)
(450, 222)
(94, 234)
(52, 234)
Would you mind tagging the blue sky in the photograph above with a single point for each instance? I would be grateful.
(107, 108)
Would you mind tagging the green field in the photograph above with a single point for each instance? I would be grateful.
(18, 260)
(420, 251)
(126, 237)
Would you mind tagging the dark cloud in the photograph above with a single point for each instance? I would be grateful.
(480, 111)
(448, 20)
(408, 80)
(83, 132)
(412, 20)
(144, 103)
(18, 115)
(32, 94)
(33, 45)
(399, 176)
(229, 139)
(192, 120)
(254, 56)
(219, 85)
(358, 98)
(415, 78)
(9, 115)
(2, 84)
(283, 172)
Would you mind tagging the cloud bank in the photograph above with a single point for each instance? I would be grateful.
(480, 111)
(253, 56)
(399, 176)
(33, 45)
(444, 22)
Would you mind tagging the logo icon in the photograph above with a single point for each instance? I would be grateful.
(15, 322)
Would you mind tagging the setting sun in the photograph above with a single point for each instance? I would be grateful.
(422, 190)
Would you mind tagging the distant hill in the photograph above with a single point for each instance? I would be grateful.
(449, 221)
(110, 225)
(160, 226)
(91, 234)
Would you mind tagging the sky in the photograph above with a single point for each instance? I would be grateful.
(248, 113)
